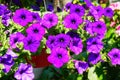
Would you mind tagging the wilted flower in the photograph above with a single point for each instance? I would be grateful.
(24, 72)
(58, 57)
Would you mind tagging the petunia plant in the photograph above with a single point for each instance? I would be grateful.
(80, 42)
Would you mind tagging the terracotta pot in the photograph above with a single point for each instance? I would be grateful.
(40, 60)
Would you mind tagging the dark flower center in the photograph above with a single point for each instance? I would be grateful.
(75, 43)
(98, 10)
(34, 17)
(29, 42)
(77, 10)
(22, 71)
(99, 26)
(115, 55)
(51, 20)
(68, 7)
(59, 56)
(94, 42)
(108, 11)
(52, 41)
(61, 39)
(15, 40)
(23, 16)
(73, 21)
(83, 65)
(36, 30)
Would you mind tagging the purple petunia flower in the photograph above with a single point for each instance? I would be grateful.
(94, 45)
(89, 27)
(108, 12)
(96, 12)
(68, 5)
(49, 20)
(93, 58)
(7, 61)
(24, 72)
(94, 30)
(14, 38)
(88, 3)
(36, 30)
(35, 7)
(3, 8)
(31, 43)
(11, 53)
(36, 17)
(50, 7)
(51, 42)
(22, 17)
(99, 10)
(58, 57)
(8, 12)
(62, 40)
(81, 66)
(5, 20)
(76, 45)
(114, 56)
(78, 9)
(72, 21)
(73, 34)
(99, 28)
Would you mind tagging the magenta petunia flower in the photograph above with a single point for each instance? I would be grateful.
(99, 28)
(36, 30)
(24, 72)
(78, 9)
(31, 43)
(58, 57)
(76, 45)
(62, 40)
(81, 66)
(94, 45)
(36, 17)
(22, 17)
(51, 41)
(68, 5)
(114, 56)
(49, 20)
(108, 12)
(7, 61)
(15, 38)
(72, 21)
